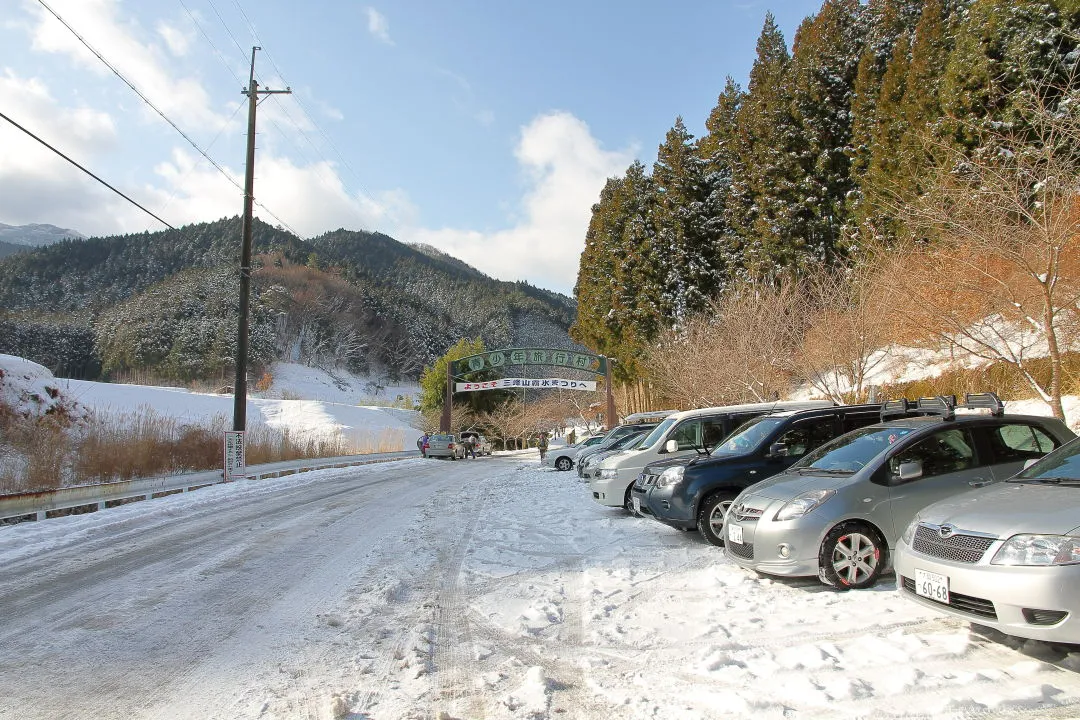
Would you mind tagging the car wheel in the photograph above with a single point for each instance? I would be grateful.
(710, 518)
(564, 463)
(628, 500)
(852, 556)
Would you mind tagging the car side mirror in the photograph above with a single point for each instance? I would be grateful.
(778, 449)
(910, 470)
(1029, 462)
(671, 446)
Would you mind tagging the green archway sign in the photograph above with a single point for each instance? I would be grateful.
(530, 356)
(555, 357)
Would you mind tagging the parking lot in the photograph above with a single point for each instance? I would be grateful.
(489, 588)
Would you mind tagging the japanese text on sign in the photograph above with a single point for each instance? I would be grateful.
(235, 461)
(506, 383)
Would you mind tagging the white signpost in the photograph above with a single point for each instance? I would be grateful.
(235, 461)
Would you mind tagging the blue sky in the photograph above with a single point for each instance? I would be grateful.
(484, 128)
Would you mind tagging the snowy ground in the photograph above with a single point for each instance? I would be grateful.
(477, 589)
(309, 404)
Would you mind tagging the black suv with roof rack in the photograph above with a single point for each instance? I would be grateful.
(689, 493)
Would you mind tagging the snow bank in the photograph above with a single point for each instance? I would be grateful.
(31, 388)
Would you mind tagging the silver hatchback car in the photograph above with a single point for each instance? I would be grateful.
(1006, 556)
(445, 445)
(838, 512)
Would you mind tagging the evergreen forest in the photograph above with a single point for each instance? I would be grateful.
(814, 165)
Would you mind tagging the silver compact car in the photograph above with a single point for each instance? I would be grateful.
(445, 445)
(839, 511)
(1006, 556)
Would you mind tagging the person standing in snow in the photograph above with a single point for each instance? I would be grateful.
(421, 444)
(542, 444)
(470, 447)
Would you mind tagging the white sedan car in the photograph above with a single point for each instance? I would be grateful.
(563, 458)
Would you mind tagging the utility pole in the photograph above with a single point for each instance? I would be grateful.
(240, 388)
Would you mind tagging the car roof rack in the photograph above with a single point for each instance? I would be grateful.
(942, 405)
(986, 401)
(647, 415)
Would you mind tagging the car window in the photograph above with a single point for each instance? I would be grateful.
(943, 452)
(659, 432)
(807, 435)
(1018, 441)
(855, 450)
(698, 432)
(749, 435)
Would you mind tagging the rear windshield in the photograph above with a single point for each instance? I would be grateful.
(852, 452)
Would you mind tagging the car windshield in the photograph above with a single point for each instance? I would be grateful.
(635, 441)
(1061, 467)
(616, 435)
(850, 453)
(626, 441)
(442, 438)
(749, 435)
(655, 435)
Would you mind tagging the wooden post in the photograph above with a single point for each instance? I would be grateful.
(610, 419)
(444, 423)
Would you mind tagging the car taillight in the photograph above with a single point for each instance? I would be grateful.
(450, 446)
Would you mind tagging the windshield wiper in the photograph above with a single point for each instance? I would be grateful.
(1048, 480)
(823, 471)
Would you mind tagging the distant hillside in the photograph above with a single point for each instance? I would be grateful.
(7, 248)
(165, 303)
(35, 235)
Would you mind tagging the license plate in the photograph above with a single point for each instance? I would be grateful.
(932, 585)
(637, 505)
(734, 534)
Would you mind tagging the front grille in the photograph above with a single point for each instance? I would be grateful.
(1044, 617)
(958, 548)
(743, 513)
(743, 550)
(645, 480)
(979, 607)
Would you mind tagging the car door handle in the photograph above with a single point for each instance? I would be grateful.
(978, 482)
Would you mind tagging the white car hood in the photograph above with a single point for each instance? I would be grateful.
(1010, 508)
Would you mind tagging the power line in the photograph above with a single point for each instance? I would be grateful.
(303, 108)
(5, 117)
(159, 112)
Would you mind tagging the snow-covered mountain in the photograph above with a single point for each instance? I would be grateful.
(35, 234)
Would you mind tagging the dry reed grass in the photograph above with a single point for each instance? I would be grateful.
(47, 453)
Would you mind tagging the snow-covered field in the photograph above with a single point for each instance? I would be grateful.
(477, 589)
(307, 402)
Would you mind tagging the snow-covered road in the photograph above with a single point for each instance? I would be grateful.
(476, 589)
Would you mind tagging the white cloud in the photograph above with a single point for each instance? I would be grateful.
(378, 26)
(31, 175)
(566, 168)
(144, 64)
(176, 39)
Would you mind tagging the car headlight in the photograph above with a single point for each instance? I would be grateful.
(670, 476)
(909, 531)
(1039, 550)
(804, 503)
(608, 474)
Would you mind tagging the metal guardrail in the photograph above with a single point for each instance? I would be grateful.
(104, 495)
